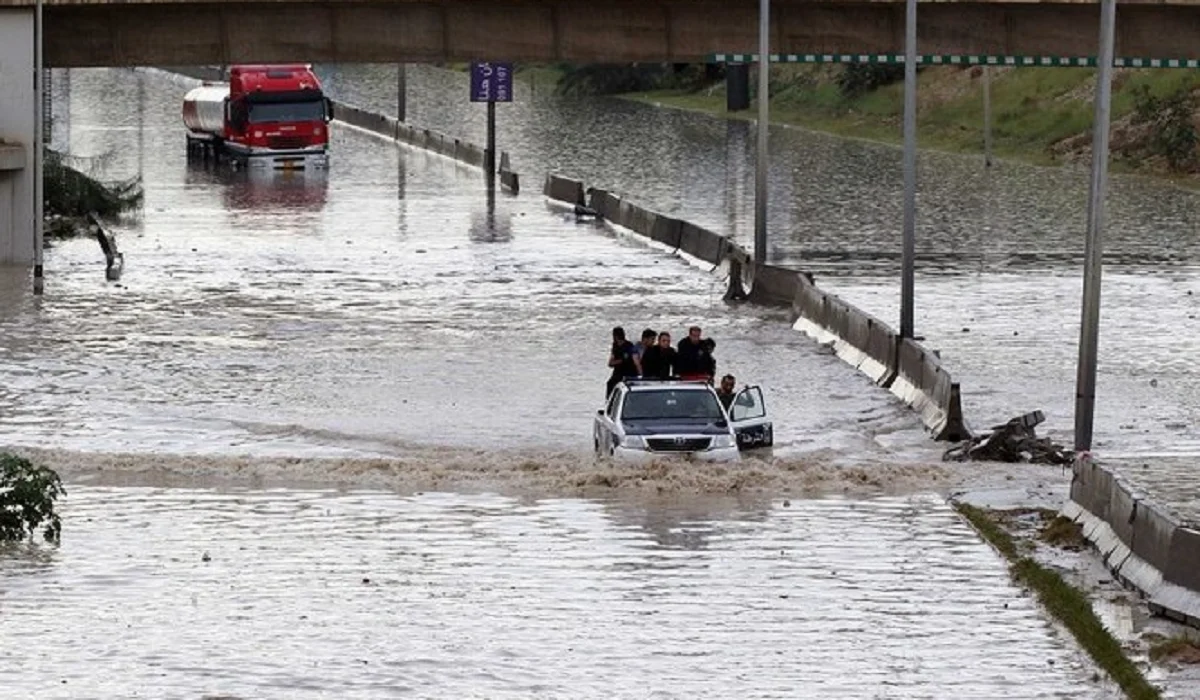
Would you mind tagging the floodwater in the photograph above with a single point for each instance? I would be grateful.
(999, 251)
(382, 305)
(180, 593)
(366, 396)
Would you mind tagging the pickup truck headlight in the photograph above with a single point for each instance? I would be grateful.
(723, 441)
(633, 442)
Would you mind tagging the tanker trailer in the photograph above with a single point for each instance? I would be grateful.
(269, 116)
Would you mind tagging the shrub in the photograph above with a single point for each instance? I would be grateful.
(27, 495)
(614, 78)
(860, 78)
(1173, 134)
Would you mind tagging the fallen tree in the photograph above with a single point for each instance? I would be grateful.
(71, 195)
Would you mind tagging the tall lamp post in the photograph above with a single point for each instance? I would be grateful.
(38, 151)
(908, 254)
(1089, 328)
(760, 171)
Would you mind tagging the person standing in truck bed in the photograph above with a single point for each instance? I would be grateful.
(623, 359)
(658, 361)
(689, 360)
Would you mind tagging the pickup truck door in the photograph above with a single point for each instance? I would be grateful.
(748, 416)
(606, 427)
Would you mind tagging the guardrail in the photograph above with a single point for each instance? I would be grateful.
(911, 372)
(426, 139)
(1140, 542)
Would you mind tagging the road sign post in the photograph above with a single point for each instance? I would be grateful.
(491, 82)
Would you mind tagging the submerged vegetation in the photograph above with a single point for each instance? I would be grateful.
(71, 191)
(27, 496)
(1040, 115)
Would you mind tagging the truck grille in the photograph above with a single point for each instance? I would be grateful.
(287, 143)
(678, 444)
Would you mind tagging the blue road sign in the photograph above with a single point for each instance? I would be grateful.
(491, 82)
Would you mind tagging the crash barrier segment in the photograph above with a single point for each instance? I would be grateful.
(908, 370)
(425, 139)
(1146, 547)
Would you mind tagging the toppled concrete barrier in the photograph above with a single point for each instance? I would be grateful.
(1014, 441)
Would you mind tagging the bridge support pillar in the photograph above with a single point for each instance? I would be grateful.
(737, 86)
(18, 134)
(987, 117)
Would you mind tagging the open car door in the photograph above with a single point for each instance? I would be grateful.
(748, 416)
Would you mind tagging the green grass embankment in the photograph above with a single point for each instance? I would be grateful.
(1068, 604)
(1039, 115)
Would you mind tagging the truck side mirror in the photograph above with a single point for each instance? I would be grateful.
(328, 110)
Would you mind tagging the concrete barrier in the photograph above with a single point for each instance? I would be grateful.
(509, 180)
(667, 230)
(773, 286)
(911, 372)
(702, 243)
(425, 139)
(563, 189)
(1144, 546)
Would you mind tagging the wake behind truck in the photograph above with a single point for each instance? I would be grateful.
(266, 115)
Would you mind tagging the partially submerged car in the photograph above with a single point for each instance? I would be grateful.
(649, 418)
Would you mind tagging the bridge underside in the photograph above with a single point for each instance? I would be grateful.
(180, 33)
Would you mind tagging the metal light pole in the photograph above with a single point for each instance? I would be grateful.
(1089, 329)
(987, 116)
(910, 170)
(760, 171)
(38, 156)
(489, 154)
(401, 92)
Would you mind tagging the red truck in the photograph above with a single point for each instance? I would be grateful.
(266, 115)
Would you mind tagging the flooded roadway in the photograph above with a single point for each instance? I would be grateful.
(382, 317)
(304, 594)
(380, 306)
(999, 252)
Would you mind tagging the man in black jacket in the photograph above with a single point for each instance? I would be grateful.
(623, 358)
(689, 361)
(659, 360)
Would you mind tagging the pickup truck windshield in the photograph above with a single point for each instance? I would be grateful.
(668, 405)
(310, 111)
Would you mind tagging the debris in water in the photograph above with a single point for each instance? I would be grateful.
(1015, 441)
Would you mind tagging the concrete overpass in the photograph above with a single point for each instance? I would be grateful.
(183, 32)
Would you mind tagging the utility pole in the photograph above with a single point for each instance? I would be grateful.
(1089, 327)
(760, 171)
(39, 165)
(908, 255)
